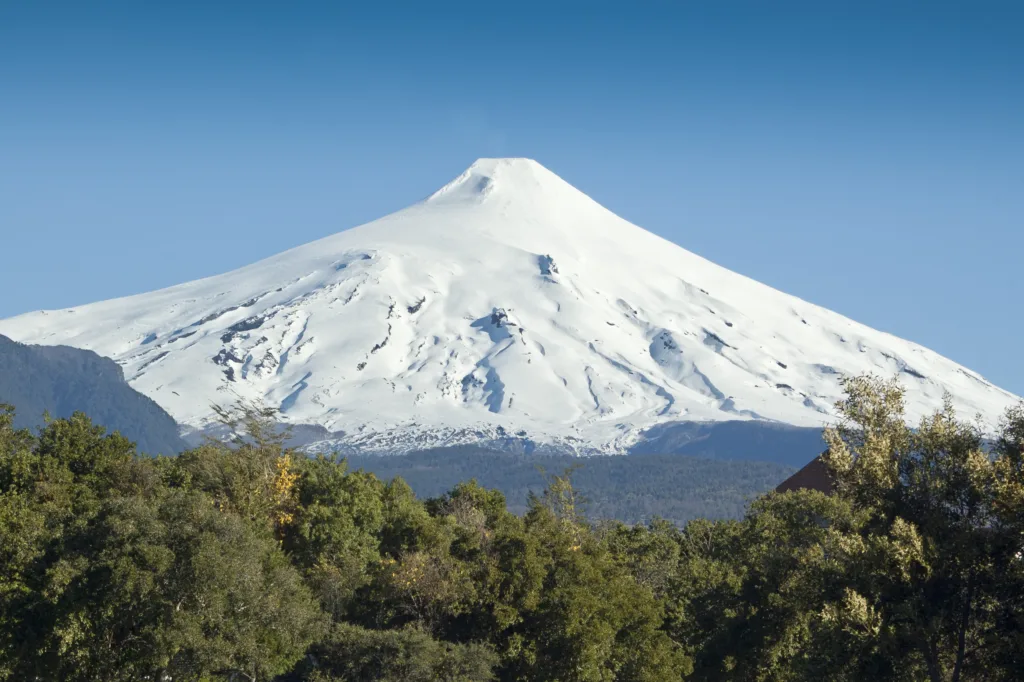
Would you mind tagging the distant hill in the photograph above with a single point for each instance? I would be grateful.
(61, 380)
(633, 488)
(750, 440)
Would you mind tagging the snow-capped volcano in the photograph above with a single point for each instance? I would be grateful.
(507, 303)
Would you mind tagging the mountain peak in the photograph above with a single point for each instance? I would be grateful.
(489, 165)
(509, 177)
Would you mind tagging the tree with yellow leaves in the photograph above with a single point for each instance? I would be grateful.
(252, 472)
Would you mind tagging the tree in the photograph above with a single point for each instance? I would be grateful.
(251, 474)
(929, 553)
(354, 654)
(747, 598)
(334, 534)
(905, 573)
(650, 553)
(592, 620)
(109, 574)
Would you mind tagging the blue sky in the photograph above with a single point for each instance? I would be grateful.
(866, 156)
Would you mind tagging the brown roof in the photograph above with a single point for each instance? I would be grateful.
(814, 476)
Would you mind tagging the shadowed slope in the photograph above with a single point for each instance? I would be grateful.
(61, 380)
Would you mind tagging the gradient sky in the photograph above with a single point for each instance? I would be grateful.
(866, 156)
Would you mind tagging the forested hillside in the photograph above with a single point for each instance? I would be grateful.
(633, 489)
(244, 561)
(61, 380)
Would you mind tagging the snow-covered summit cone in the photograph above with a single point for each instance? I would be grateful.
(506, 304)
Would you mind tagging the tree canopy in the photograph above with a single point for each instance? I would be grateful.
(244, 560)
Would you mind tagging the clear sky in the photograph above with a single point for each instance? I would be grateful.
(866, 156)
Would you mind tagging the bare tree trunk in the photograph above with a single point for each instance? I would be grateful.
(965, 621)
(931, 658)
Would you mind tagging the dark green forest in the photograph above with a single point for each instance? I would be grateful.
(244, 560)
(632, 488)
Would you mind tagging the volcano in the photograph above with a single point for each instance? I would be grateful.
(506, 306)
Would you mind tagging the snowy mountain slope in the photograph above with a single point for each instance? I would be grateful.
(507, 304)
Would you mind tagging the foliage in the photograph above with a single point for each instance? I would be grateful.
(912, 571)
(355, 654)
(243, 560)
(111, 574)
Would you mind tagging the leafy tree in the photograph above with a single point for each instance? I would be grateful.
(748, 596)
(172, 587)
(933, 547)
(592, 621)
(904, 574)
(335, 533)
(355, 654)
(1006, 637)
(111, 575)
(251, 474)
(23, 534)
(650, 553)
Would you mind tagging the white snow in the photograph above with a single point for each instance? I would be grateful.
(507, 302)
